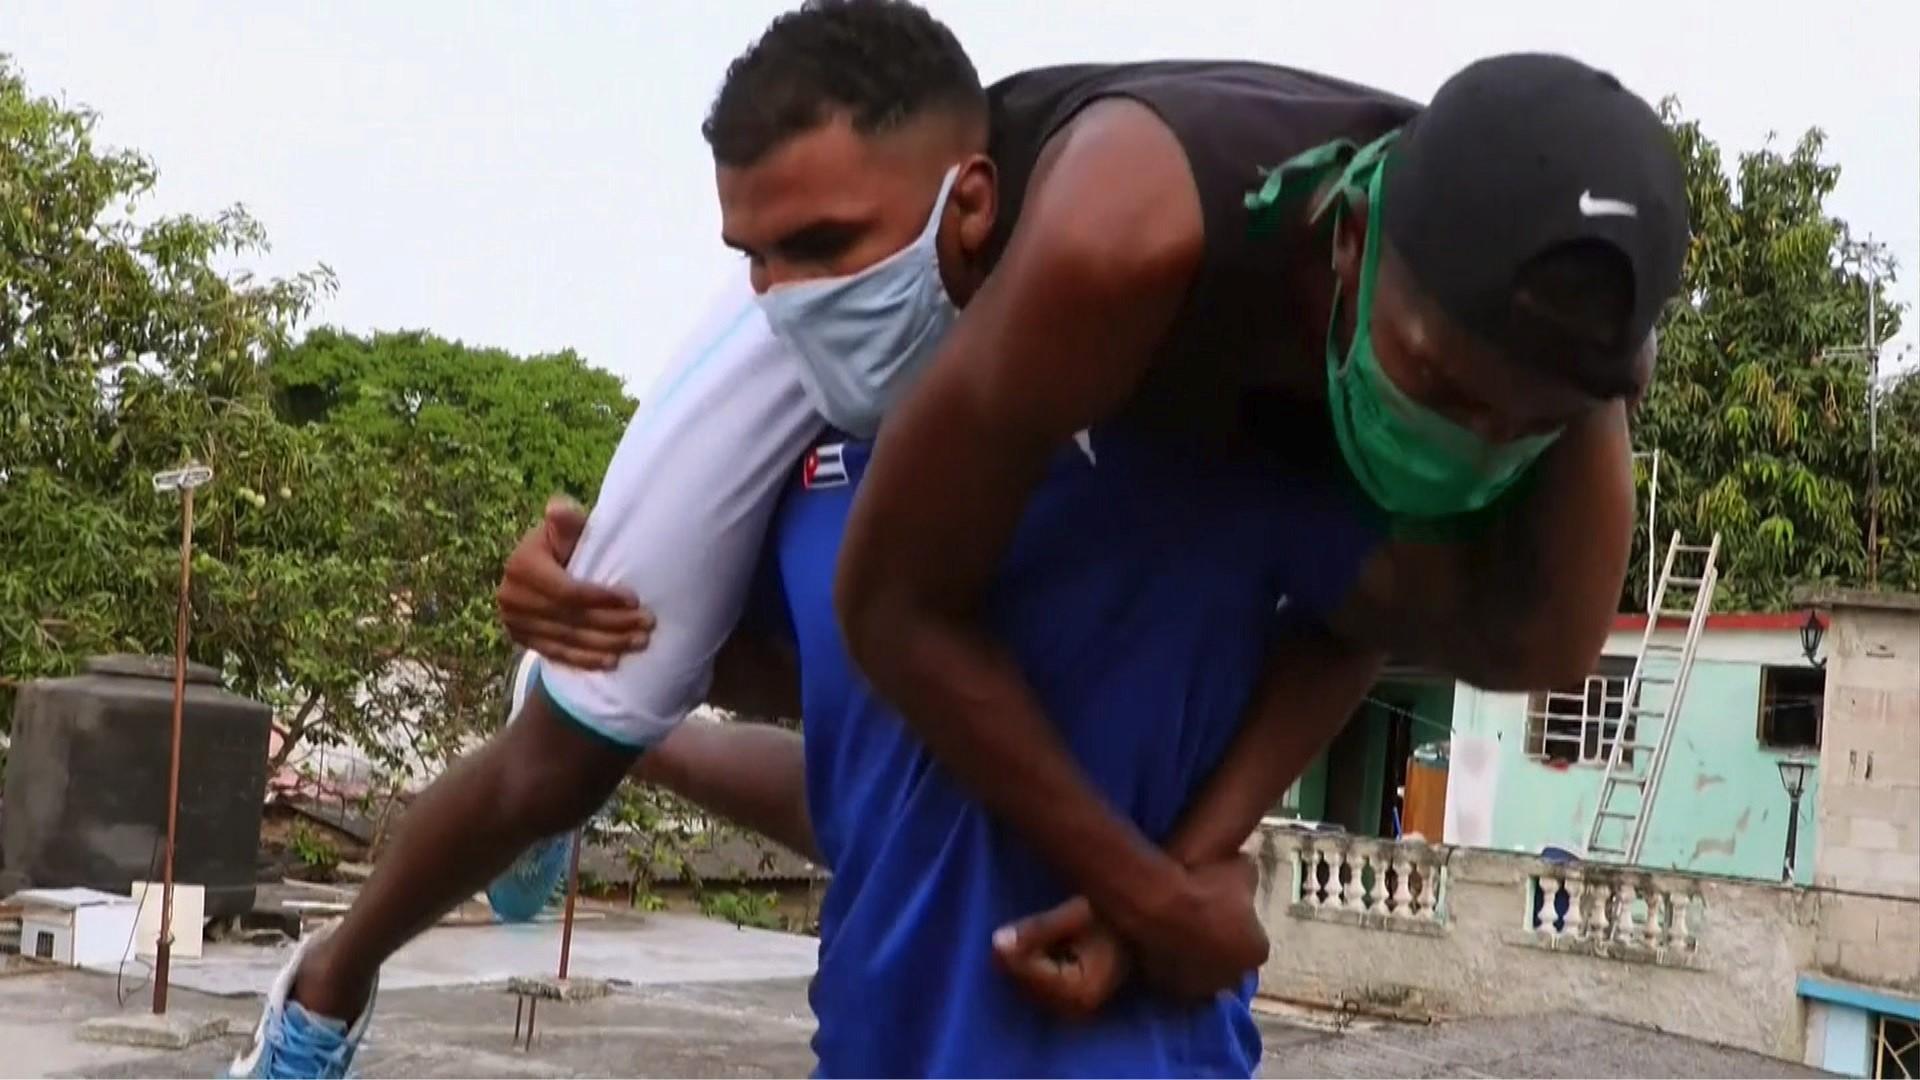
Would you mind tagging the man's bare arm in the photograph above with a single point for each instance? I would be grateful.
(1056, 340)
(1528, 605)
(1311, 687)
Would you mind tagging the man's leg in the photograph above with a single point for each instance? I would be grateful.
(681, 519)
(540, 776)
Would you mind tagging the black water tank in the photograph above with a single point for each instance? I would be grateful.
(87, 781)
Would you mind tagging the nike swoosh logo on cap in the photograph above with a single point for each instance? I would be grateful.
(1593, 207)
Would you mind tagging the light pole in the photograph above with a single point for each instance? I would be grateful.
(1873, 415)
(1872, 262)
(183, 481)
(1653, 503)
(1793, 776)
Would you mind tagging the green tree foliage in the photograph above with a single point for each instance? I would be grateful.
(123, 352)
(1900, 482)
(552, 419)
(365, 492)
(468, 444)
(1759, 403)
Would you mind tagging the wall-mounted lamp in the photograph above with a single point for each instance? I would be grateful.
(1793, 777)
(1812, 632)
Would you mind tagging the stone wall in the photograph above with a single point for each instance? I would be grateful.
(1425, 930)
(1867, 939)
(1868, 809)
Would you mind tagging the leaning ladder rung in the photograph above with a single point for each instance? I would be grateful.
(1638, 747)
(1694, 588)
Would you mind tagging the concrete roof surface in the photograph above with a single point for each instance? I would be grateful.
(748, 1017)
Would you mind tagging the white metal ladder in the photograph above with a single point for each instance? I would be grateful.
(1652, 702)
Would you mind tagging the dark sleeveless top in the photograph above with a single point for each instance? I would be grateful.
(1234, 120)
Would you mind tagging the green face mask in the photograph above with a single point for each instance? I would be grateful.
(1411, 461)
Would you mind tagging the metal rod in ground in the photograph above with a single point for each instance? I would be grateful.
(566, 931)
(163, 947)
(573, 890)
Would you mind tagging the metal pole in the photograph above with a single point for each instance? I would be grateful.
(1873, 414)
(1653, 503)
(566, 934)
(183, 481)
(163, 949)
(573, 889)
(1793, 837)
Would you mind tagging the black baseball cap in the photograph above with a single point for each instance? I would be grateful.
(1519, 155)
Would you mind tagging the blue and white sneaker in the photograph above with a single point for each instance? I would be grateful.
(523, 889)
(292, 1042)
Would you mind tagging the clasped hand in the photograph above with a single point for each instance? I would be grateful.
(1191, 943)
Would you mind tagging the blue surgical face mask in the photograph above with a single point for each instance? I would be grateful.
(862, 338)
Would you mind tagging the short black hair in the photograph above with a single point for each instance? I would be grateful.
(1571, 309)
(880, 63)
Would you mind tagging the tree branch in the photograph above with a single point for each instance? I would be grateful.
(296, 730)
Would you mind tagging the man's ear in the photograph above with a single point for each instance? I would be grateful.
(972, 205)
(976, 200)
(1350, 244)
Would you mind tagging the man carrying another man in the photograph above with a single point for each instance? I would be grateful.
(1443, 306)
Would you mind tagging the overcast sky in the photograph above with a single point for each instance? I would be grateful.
(531, 175)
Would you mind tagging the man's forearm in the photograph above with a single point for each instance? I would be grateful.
(1544, 586)
(1310, 689)
(538, 777)
(1528, 604)
(965, 698)
(754, 775)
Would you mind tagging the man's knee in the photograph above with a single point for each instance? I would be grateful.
(553, 774)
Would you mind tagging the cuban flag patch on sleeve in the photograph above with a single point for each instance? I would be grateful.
(824, 467)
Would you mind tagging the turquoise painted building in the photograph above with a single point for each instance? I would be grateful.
(1527, 769)
(1523, 770)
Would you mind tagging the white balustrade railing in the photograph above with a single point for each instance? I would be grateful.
(1400, 882)
(1610, 908)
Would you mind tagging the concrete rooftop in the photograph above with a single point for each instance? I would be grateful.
(741, 1011)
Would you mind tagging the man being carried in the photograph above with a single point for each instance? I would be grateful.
(1450, 308)
(1133, 290)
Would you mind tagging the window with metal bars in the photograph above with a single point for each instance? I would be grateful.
(1896, 1049)
(1578, 725)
